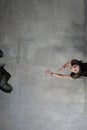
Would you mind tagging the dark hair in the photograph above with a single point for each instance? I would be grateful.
(83, 73)
(83, 69)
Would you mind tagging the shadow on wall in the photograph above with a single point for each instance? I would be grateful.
(1, 53)
(4, 77)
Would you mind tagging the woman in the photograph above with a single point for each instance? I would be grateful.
(77, 68)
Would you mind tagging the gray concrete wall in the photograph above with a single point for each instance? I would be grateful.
(36, 35)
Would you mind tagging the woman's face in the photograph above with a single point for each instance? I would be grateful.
(75, 68)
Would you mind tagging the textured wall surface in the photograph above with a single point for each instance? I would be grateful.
(36, 35)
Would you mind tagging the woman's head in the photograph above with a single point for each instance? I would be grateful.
(75, 68)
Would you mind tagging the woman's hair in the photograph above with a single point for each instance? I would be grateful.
(83, 69)
(83, 73)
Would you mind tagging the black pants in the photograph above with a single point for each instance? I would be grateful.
(4, 77)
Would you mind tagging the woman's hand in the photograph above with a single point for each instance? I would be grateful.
(49, 72)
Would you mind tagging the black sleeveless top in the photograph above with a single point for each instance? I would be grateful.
(83, 69)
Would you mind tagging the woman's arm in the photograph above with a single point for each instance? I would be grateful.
(58, 75)
(61, 76)
(68, 64)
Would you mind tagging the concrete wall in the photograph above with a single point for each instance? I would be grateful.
(36, 35)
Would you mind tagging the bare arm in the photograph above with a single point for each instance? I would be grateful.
(61, 76)
(68, 64)
(58, 75)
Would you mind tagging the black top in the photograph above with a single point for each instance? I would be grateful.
(83, 69)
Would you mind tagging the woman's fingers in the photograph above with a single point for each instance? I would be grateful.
(48, 72)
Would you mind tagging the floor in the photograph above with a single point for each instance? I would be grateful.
(36, 35)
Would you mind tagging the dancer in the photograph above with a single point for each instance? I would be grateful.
(78, 69)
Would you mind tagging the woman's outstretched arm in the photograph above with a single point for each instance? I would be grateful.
(58, 75)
